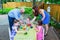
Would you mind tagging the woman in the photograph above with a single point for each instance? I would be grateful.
(45, 17)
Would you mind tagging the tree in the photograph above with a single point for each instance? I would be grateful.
(22, 0)
(4, 1)
(12, 0)
(34, 2)
(8, 0)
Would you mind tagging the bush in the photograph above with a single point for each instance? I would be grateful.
(5, 10)
(1, 11)
(58, 2)
(28, 10)
(55, 24)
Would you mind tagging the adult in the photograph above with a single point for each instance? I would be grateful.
(14, 14)
(45, 16)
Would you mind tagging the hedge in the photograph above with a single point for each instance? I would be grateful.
(5, 10)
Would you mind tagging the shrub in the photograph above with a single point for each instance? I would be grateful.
(28, 10)
(5, 10)
(0, 11)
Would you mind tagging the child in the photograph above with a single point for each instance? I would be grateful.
(14, 29)
(40, 31)
(28, 22)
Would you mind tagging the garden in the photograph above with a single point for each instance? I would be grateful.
(30, 33)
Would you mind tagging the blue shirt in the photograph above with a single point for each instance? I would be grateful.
(15, 13)
(46, 19)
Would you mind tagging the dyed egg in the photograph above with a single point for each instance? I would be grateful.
(28, 24)
(24, 28)
(31, 26)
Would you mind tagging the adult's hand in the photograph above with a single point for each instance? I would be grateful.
(20, 21)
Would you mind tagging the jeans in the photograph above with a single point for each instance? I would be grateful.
(11, 22)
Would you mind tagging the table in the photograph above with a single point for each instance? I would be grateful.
(31, 35)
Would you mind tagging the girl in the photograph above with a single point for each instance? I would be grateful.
(14, 29)
(28, 21)
(40, 31)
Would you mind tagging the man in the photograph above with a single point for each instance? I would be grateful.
(14, 14)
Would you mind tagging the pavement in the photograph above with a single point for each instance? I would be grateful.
(3, 20)
(4, 33)
(51, 34)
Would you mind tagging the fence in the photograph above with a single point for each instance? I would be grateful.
(17, 4)
(55, 10)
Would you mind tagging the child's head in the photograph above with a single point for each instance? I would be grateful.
(39, 22)
(28, 18)
(16, 22)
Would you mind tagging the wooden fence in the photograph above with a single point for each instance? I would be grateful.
(55, 10)
(17, 4)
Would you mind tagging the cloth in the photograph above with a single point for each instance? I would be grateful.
(13, 33)
(15, 13)
(47, 18)
(40, 34)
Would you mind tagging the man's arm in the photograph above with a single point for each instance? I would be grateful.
(16, 14)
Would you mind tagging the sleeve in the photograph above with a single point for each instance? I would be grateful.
(33, 19)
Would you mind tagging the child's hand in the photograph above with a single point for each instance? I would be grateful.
(36, 30)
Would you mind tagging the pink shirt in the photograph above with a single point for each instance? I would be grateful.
(40, 34)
